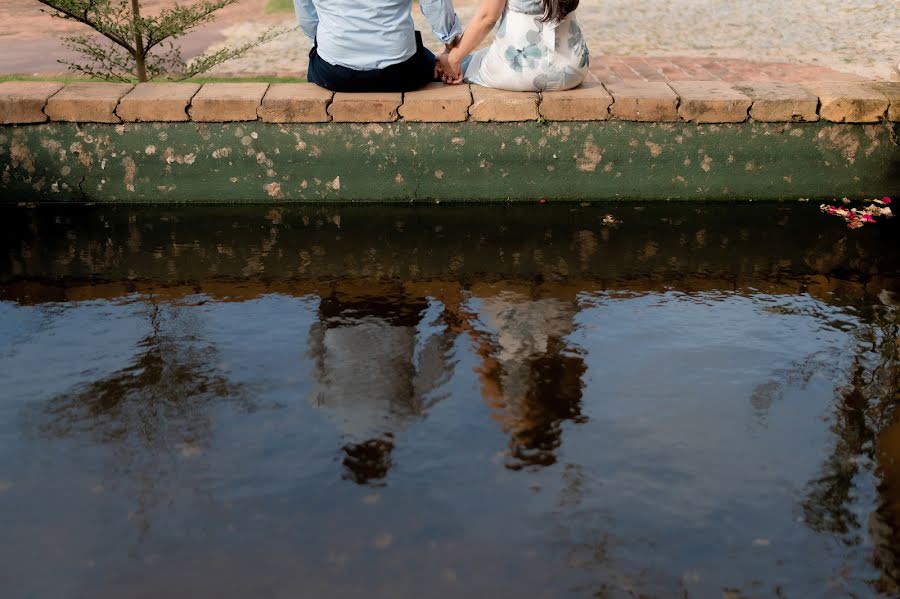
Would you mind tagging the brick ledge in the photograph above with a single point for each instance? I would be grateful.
(688, 101)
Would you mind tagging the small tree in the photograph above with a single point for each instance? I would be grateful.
(141, 47)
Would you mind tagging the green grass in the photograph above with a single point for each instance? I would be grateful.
(249, 79)
(279, 6)
(60, 78)
(200, 79)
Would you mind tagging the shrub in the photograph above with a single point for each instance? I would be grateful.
(134, 46)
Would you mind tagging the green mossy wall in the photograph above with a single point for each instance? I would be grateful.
(259, 162)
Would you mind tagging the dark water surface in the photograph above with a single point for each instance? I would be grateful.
(447, 401)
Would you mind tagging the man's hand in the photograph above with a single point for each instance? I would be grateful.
(451, 67)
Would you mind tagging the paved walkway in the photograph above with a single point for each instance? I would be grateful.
(721, 39)
(659, 40)
(286, 56)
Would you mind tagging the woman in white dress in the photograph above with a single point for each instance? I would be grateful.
(538, 47)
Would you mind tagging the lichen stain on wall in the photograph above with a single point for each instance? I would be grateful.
(842, 139)
(20, 154)
(590, 157)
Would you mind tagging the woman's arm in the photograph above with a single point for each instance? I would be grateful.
(482, 24)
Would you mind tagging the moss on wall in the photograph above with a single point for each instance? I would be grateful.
(235, 162)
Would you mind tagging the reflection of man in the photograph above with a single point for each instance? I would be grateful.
(372, 45)
(377, 361)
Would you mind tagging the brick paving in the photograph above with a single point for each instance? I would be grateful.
(608, 69)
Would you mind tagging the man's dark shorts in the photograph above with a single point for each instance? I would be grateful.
(413, 73)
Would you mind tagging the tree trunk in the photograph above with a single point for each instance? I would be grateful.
(140, 56)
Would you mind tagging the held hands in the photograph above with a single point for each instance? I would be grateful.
(450, 63)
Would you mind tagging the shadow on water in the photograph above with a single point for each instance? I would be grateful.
(415, 339)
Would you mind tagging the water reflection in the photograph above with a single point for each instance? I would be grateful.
(436, 353)
(884, 522)
(378, 362)
(865, 427)
(530, 375)
(155, 410)
(172, 375)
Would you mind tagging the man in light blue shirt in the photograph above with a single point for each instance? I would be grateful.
(372, 45)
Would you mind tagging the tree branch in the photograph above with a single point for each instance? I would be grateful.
(85, 20)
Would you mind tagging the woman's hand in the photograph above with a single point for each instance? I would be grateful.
(486, 16)
(451, 66)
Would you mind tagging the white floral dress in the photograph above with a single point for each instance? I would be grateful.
(530, 55)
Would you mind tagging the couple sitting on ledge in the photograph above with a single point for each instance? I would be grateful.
(372, 45)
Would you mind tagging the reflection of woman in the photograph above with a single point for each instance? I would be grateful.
(374, 377)
(530, 375)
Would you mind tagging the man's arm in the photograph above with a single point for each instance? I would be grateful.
(443, 19)
(307, 17)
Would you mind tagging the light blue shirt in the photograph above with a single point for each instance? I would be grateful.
(371, 34)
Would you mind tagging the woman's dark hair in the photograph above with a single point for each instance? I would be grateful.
(557, 10)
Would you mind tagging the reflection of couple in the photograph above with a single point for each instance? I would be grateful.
(380, 362)
(372, 46)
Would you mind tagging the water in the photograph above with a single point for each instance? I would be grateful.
(382, 401)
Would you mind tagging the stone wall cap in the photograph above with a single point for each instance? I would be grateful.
(588, 102)
(849, 101)
(295, 103)
(891, 90)
(711, 102)
(23, 102)
(237, 90)
(644, 101)
(365, 107)
(157, 102)
(780, 102)
(499, 105)
(437, 103)
(87, 102)
(222, 102)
